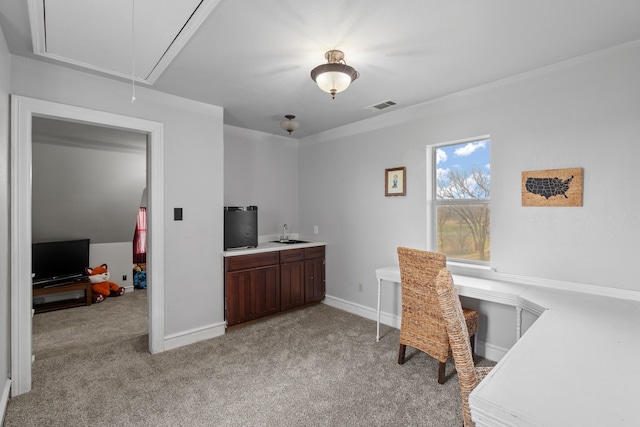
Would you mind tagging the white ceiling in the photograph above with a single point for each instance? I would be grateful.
(103, 36)
(254, 57)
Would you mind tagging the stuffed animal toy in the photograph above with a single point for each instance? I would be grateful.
(139, 277)
(100, 285)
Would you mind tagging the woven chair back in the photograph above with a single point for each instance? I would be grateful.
(422, 324)
(449, 303)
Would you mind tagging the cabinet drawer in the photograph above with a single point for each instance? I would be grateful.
(242, 262)
(291, 255)
(314, 252)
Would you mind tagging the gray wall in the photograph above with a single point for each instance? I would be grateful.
(85, 193)
(583, 113)
(87, 181)
(193, 180)
(5, 299)
(262, 170)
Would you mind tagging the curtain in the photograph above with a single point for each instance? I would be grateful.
(140, 238)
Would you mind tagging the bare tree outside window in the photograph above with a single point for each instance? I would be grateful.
(463, 182)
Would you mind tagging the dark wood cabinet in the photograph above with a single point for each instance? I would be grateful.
(267, 290)
(291, 278)
(252, 286)
(257, 285)
(314, 281)
(80, 285)
(240, 298)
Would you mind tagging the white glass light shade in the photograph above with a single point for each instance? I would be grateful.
(289, 125)
(335, 76)
(333, 81)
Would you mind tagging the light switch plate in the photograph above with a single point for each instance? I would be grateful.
(177, 214)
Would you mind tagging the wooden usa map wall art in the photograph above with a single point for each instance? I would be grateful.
(553, 187)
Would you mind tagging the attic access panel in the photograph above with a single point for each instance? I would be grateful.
(99, 34)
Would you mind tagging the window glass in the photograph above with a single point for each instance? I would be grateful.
(462, 180)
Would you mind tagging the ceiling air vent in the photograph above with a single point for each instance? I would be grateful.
(381, 106)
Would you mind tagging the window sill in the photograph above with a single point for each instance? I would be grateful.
(472, 270)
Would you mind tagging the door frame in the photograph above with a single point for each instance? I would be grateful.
(23, 109)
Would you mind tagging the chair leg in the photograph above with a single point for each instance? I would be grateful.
(472, 338)
(401, 352)
(441, 373)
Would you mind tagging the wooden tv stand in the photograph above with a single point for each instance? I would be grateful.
(78, 285)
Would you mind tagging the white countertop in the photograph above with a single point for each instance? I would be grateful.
(270, 247)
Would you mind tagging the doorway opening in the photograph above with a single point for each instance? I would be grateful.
(87, 185)
(23, 110)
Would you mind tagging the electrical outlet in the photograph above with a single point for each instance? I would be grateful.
(124, 277)
(315, 229)
(359, 287)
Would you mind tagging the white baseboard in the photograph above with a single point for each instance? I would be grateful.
(351, 307)
(483, 349)
(490, 351)
(193, 336)
(4, 399)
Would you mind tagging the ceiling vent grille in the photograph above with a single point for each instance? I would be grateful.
(381, 106)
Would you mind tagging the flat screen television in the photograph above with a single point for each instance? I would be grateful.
(59, 262)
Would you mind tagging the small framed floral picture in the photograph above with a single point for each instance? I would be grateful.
(395, 181)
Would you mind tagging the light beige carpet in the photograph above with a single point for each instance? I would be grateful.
(113, 320)
(317, 366)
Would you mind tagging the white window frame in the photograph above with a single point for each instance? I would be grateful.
(432, 227)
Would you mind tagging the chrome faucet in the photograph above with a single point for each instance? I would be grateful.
(284, 237)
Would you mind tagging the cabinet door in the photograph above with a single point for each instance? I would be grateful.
(291, 285)
(239, 297)
(314, 288)
(267, 290)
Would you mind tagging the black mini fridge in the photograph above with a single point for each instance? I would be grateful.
(240, 227)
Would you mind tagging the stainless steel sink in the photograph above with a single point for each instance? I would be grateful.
(289, 242)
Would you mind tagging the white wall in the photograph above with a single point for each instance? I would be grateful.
(193, 180)
(82, 192)
(583, 113)
(118, 257)
(262, 170)
(5, 300)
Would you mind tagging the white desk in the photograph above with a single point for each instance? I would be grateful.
(482, 289)
(577, 365)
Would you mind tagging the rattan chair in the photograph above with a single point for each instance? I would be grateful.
(468, 375)
(422, 325)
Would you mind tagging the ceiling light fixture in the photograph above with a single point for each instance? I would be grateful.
(335, 76)
(289, 125)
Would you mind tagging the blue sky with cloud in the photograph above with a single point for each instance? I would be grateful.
(464, 156)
